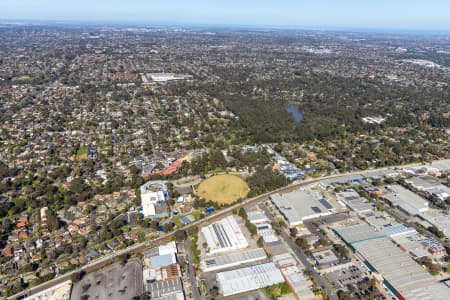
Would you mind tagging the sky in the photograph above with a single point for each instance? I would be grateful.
(381, 14)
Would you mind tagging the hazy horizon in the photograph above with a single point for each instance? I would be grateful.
(381, 15)
(216, 26)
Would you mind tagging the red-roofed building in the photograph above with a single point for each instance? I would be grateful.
(168, 272)
(22, 224)
(8, 251)
(23, 235)
(172, 168)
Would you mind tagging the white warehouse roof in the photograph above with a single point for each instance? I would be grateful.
(224, 235)
(257, 216)
(234, 259)
(249, 278)
(408, 201)
(299, 283)
(398, 229)
(169, 248)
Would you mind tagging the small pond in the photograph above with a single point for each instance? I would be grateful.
(294, 110)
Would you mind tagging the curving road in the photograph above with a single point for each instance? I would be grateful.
(99, 263)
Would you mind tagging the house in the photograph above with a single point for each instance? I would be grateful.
(92, 151)
(13, 237)
(43, 214)
(92, 254)
(72, 228)
(134, 236)
(23, 235)
(113, 244)
(8, 251)
(22, 224)
(85, 230)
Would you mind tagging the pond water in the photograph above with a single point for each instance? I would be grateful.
(294, 110)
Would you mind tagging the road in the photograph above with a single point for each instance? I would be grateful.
(110, 258)
(301, 256)
(192, 278)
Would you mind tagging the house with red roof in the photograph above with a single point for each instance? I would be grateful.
(8, 251)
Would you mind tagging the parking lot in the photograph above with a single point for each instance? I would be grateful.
(114, 282)
(339, 279)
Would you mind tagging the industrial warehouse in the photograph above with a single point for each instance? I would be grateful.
(234, 259)
(301, 205)
(249, 278)
(224, 235)
(248, 268)
(406, 200)
(393, 267)
(355, 202)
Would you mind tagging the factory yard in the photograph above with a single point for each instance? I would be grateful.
(223, 189)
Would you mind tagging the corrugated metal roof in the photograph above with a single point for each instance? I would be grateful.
(397, 267)
(163, 260)
(398, 229)
(249, 278)
(358, 233)
(233, 259)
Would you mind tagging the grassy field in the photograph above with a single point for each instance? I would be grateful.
(24, 78)
(223, 189)
(82, 153)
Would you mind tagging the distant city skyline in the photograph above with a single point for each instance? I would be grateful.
(431, 15)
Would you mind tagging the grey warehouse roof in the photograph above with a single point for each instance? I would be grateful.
(406, 200)
(229, 260)
(164, 288)
(358, 233)
(396, 266)
(300, 204)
